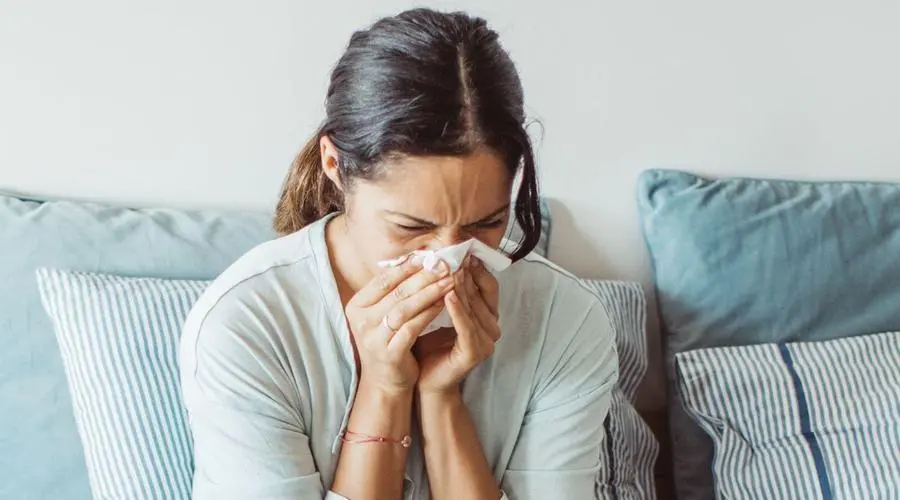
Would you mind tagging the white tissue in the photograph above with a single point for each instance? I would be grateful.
(494, 260)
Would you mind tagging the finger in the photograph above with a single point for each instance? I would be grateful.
(488, 286)
(384, 332)
(481, 313)
(412, 286)
(412, 306)
(471, 289)
(407, 335)
(460, 287)
(383, 283)
(466, 341)
(471, 294)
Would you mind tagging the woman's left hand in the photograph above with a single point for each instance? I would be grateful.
(474, 308)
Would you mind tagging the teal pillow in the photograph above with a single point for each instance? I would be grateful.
(40, 452)
(751, 261)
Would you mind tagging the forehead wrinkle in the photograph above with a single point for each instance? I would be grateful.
(446, 192)
(450, 201)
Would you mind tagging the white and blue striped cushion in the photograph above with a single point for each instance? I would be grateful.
(811, 420)
(627, 463)
(118, 339)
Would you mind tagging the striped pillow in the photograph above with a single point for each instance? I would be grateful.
(800, 420)
(627, 462)
(118, 339)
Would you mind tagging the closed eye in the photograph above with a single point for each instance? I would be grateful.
(490, 224)
(421, 228)
(414, 229)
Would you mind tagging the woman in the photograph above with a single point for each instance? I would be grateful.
(302, 367)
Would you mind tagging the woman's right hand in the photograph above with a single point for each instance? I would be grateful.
(387, 316)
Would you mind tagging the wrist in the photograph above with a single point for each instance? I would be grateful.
(383, 392)
(380, 411)
(438, 389)
(439, 397)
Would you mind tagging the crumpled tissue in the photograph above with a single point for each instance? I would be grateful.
(493, 260)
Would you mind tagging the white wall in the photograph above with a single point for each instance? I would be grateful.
(203, 103)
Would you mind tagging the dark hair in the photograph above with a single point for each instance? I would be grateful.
(421, 83)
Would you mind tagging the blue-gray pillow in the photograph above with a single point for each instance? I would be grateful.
(119, 343)
(800, 420)
(40, 453)
(749, 261)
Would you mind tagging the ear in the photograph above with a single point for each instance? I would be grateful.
(330, 164)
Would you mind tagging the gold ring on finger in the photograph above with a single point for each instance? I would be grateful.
(384, 321)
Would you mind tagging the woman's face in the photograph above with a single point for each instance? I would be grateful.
(429, 203)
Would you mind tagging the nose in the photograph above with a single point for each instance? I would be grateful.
(447, 236)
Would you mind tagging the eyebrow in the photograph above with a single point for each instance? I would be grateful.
(425, 222)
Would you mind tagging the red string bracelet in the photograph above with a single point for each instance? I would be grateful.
(405, 442)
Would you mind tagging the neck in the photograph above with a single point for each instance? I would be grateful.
(350, 272)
